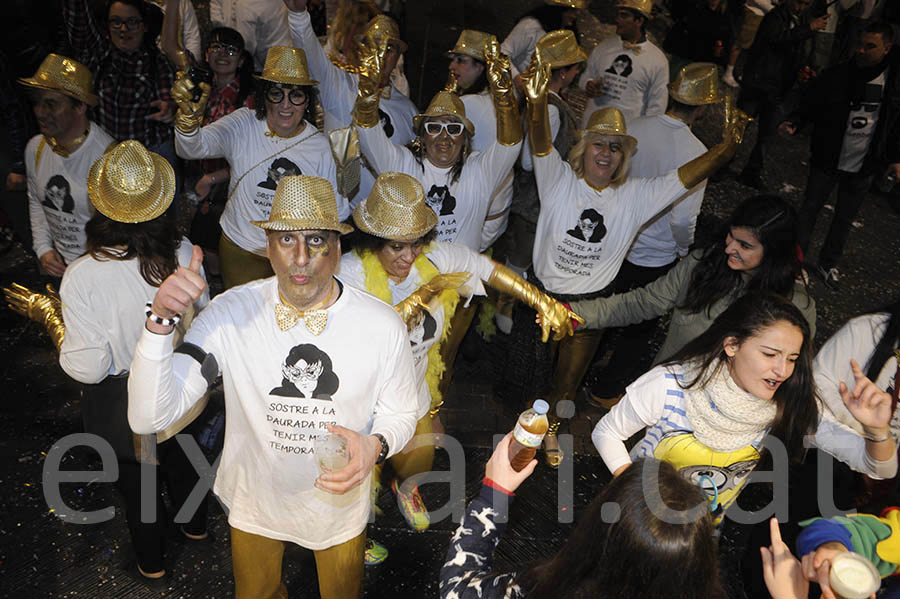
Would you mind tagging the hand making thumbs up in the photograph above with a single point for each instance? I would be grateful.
(178, 293)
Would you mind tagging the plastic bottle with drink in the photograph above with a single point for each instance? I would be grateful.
(528, 434)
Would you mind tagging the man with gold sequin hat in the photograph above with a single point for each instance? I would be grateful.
(627, 72)
(261, 147)
(301, 355)
(58, 160)
(339, 81)
(665, 141)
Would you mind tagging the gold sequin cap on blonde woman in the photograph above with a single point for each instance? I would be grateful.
(609, 121)
(395, 209)
(130, 184)
(303, 202)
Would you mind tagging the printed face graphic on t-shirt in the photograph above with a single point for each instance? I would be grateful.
(280, 168)
(307, 372)
(621, 66)
(589, 227)
(424, 330)
(440, 200)
(386, 123)
(58, 196)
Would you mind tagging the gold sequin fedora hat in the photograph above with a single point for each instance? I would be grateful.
(697, 84)
(66, 76)
(609, 121)
(395, 209)
(568, 3)
(129, 184)
(303, 202)
(471, 43)
(645, 7)
(445, 103)
(383, 26)
(286, 65)
(560, 49)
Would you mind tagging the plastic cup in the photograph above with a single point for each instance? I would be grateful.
(331, 452)
(853, 576)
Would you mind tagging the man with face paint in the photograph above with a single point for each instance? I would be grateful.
(338, 85)
(269, 339)
(855, 138)
(58, 160)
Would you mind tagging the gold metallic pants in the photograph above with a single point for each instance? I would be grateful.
(257, 567)
(459, 325)
(240, 266)
(407, 463)
(573, 358)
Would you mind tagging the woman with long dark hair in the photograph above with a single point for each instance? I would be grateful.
(709, 408)
(132, 246)
(659, 545)
(756, 251)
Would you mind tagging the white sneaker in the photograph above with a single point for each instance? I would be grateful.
(729, 79)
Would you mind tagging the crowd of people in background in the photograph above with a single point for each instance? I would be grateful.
(270, 149)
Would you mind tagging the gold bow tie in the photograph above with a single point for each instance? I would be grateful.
(633, 46)
(287, 316)
(386, 92)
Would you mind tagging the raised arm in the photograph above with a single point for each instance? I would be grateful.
(82, 30)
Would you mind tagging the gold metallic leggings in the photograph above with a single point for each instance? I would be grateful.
(407, 463)
(573, 358)
(257, 567)
(240, 266)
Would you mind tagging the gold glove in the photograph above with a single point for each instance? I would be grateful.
(41, 308)
(452, 84)
(537, 78)
(189, 115)
(412, 307)
(705, 165)
(365, 112)
(553, 315)
(499, 75)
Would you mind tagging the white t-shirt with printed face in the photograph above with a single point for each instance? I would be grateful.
(582, 234)
(258, 161)
(633, 82)
(447, 258)
(861, 123)
(58, 202)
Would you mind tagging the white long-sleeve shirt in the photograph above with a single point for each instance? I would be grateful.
(262, 23)
(655, 402)
(58, 203)
(634, 82)
(665, 143)
(190, 28)
(572, 259)
(856, 340)
(338, 90)
(447, 258)
(281, 390)
(461, 206)
(103, 308)
(242, 140)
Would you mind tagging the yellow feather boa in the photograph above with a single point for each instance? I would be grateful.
(377, 285)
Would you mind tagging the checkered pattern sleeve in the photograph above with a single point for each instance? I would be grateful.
(84, 33)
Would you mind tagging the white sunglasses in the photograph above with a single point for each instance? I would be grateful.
(434, 128)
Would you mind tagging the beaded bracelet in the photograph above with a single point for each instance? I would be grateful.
(167, 322)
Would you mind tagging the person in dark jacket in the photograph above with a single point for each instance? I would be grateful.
(853, 108)
(779, 53)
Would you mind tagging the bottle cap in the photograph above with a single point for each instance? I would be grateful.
(540, 406)
(853, 576)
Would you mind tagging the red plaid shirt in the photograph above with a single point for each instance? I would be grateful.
(125, 82)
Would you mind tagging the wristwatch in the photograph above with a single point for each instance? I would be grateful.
(384, 448)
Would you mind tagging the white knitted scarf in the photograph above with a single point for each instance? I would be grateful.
(724, 416)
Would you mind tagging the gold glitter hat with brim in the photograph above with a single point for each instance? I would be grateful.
(445, 103)
(609, 121)
(471, 43)
(286, 65)
(381, 26)
(129, 184)
(560, 49)
(395, 209)
(645, 7)
(303, 202)
(568, 3)
(66, 76)
(697, 84)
